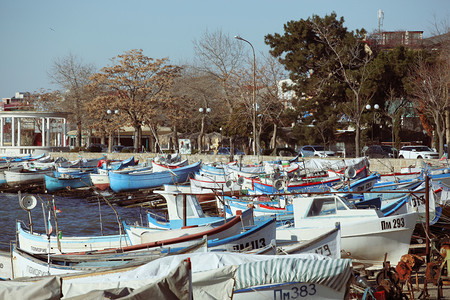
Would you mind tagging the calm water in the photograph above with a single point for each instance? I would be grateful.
(78, 217)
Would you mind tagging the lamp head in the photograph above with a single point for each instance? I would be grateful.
(376, 106)
(108, 111)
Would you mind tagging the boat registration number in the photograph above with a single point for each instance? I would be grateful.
(324, 250)
(393, 224)
(300, 291)
(256, 244)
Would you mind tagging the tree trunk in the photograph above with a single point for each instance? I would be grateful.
(79, 135)
(357, 138)
(447, 128)
(139, 142)
(136, 137)
(110, 142)
(200, 136)
(175, 138)
(273, 140)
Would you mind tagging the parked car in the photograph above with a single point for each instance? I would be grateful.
(226, 151)
(421, 152)
(315, 150)
(391, 150)
(117, 148)
(127, 149)
(280, 151)
(379, 151)
(97, 148)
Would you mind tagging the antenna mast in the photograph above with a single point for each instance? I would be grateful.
(380, 20)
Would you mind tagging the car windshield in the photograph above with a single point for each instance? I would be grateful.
(423, 148)
(319, 148)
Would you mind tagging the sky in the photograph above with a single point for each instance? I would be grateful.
(33, 34)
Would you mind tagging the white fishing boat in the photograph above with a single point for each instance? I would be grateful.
(158, 166)
(42, 243)
(194, 213)
(14, 178)
(323, 241)
(366, 235)
(100, 179)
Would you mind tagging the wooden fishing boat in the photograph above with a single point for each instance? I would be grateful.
(120, 182)
(249, 238)
(320, 241)
(100, 179)
(8, 167)
(367, 235)
(67, 181)
(118, 164)
(14, 178)
(321, 184)
(42, 243)
(36, 265)
(291, 277)
(220, 275)
(194, 213)
(158, 167)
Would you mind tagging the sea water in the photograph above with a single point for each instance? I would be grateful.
(75, 217)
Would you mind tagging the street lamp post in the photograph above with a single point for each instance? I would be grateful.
(110, 141)
(254, 96)
(200, 139)
(376, 107)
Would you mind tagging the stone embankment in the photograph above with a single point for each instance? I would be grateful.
(376, 164)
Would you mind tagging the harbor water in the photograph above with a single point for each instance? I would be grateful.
(77, 216)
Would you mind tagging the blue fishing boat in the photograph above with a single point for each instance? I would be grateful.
(120, 182)
(67, 181)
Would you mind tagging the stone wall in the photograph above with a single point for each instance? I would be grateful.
(376, 165)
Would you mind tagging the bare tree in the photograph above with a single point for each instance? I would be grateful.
(137, 86)
(220, 56)
(203, 91)
(271, 73)
(394, 109)
(430, 83)
(72, 76)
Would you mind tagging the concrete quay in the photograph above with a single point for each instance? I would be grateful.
(380, 165)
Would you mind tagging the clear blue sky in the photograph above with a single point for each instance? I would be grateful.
(35, 33)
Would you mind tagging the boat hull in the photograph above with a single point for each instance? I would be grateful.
(121, 182)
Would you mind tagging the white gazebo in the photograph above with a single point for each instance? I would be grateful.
(32, 132)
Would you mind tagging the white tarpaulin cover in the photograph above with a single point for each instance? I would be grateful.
(333, 273)
(213, 277)
(47, 288)
(325, 164)
(213, 274)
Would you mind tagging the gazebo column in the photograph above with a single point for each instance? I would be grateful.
(43, 139)
(48, 132)
(13, 131)
(64, 137)
(19, 127)
(2, 122)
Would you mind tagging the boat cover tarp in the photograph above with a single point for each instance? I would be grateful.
(213, 273)
(333, 273)
(326, 164)
(215, 283)
(214, 276)
(173, 286)
(47, 288)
